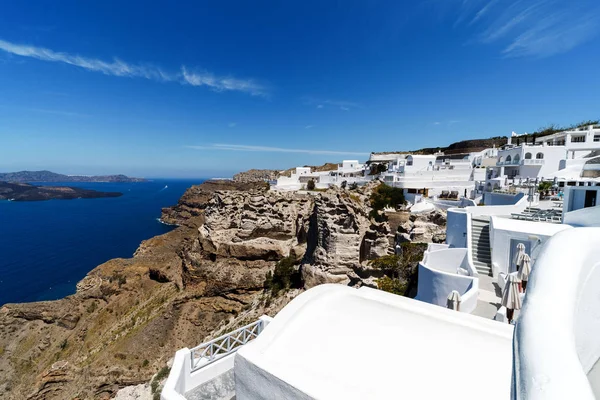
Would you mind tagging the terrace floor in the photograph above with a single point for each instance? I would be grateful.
(490, 298)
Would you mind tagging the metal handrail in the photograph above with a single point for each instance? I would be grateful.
(215, 349)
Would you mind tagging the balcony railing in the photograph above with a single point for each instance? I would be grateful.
(521, 162)
(511, 162)
(533, 161)
(211, 351)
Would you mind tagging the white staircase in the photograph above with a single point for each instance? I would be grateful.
(480, 245)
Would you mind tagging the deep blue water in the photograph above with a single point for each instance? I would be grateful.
(46, 247)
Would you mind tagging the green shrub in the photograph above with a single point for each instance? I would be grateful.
(353, 186)
(400, 270)
(389, 264)
(283, 277)
(310, 185)
(119, 278)
(384, 196)
(377, 168)
(391, 285)
(92, 307)
(160, 375)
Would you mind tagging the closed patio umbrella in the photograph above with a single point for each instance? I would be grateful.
(519, 256)
(510, 296)
(525, 270)
(453, 301)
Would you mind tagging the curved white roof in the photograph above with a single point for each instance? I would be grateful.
(336, 342)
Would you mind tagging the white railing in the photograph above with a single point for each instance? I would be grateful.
(532, 161)
(511, 162)
(211, 351)
(190, 370)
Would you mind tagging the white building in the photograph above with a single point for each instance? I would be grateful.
(297, 179)
(431, 175)
(569, 156)
(482, 242)
(349, 171)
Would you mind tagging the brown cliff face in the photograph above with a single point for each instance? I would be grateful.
(129, 316)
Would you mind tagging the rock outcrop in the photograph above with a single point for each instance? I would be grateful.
(256, 175)
(423, 228)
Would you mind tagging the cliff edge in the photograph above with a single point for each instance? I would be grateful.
(207, 276)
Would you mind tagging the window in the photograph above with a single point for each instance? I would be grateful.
(500, 159)
(508, 159)
(528, 156)
(539, 156)
(577, 139)
(596, 138)
(517, 159)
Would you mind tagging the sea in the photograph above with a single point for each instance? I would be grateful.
(46, 247)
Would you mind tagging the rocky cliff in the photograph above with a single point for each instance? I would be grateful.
(207, 276)
(256, 175)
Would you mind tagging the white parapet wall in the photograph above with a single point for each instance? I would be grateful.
(556, 342)
(440, 274)
(188, 373)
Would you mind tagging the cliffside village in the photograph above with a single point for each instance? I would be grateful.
(505, 308)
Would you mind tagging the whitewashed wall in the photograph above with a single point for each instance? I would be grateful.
(556, 343)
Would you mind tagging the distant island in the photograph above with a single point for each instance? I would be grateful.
(26, 192)
(48, 176)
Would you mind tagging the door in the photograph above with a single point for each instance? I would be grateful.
(590, 198)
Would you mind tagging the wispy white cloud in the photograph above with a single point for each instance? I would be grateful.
(221, 84)
(308, 127)
(322, 103)
(530, 28)
(484, 10)
(449, 123)
(232, 124)
(121, 68)
(267, 149)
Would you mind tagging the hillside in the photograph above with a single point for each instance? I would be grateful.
(48, 176)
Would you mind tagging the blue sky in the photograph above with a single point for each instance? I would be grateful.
(199, 89)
